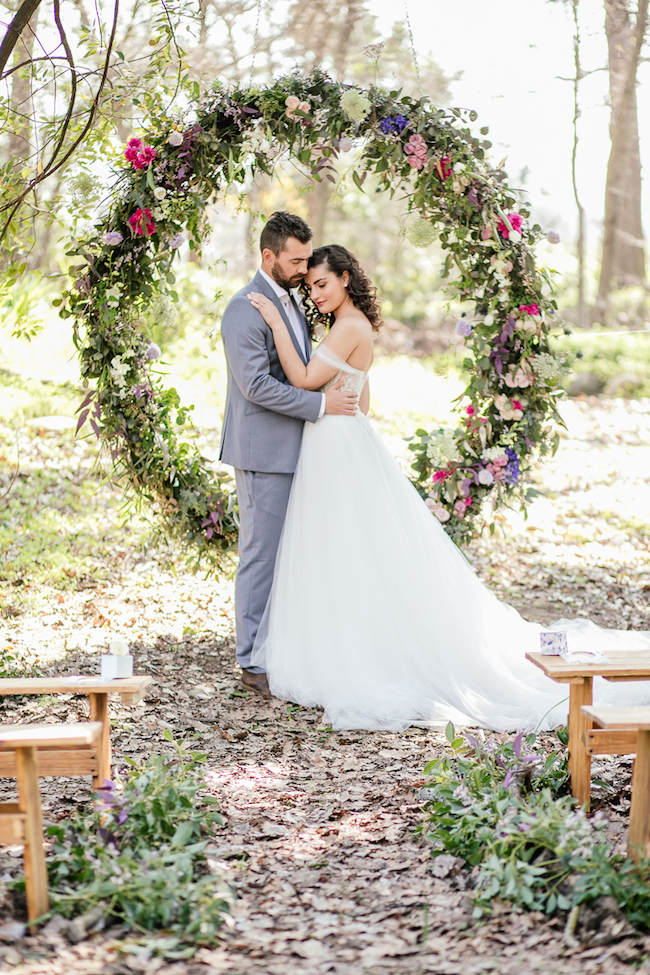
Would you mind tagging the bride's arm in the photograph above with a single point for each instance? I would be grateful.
(316, 373)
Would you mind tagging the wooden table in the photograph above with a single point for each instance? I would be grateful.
(638, 719)
(96, 762)
(22, 822)
(584, 739)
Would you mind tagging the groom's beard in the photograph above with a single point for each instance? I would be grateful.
(293, 282)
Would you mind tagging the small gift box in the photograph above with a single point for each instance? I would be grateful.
(553, 643)
(118, 662)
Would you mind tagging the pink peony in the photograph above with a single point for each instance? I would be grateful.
(141, 222)
(443, 168)
(516, 405)
(440, 476)
(416, 150)
(516, 221)
(500, 461)
(470, 410)
(460, 508)
(532, 309)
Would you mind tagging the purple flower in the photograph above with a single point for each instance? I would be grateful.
(511, 474)
(113, 238)
(464, 328)
(472, 197)
(153, 352)
(177, 241)
(396, 123)
(553, 237)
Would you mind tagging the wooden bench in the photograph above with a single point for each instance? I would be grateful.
(632, 720)
(584, 739)
(95, 761)
(22, 821)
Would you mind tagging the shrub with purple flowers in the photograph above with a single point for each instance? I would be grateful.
(503, 807)
(139, 854)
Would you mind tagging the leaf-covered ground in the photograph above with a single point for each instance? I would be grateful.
(320, 836)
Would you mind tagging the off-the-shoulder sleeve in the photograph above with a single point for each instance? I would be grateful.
(332, 359)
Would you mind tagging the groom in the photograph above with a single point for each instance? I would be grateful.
(263, 421)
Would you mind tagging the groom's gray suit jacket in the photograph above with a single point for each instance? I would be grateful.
(264, 415)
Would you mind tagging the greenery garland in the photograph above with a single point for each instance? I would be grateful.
(451, 191)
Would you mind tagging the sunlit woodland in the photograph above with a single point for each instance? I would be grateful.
(235, 834)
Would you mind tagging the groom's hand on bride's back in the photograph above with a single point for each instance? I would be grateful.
(339, 402)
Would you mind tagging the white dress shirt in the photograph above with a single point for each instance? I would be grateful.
(294, 320)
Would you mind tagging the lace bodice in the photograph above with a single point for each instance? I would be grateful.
(353, 379)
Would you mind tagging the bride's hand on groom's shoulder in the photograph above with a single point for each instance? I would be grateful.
(266, 308)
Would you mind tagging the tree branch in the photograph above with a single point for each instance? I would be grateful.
(15, 29)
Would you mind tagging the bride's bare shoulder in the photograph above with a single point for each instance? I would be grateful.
(352, 323)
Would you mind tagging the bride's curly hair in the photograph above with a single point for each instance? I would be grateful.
(360, 288)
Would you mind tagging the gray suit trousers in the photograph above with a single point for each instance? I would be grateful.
(263, 500)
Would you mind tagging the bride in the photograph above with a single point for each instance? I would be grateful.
(374, 613)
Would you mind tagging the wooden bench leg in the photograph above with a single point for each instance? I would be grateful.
(639, 837)
(30, 803)
(579, 724)
(99, 712)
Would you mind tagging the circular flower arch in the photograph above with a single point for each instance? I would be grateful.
(452, 192)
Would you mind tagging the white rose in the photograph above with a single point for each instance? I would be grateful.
(304, 107)
(175, 139)
(485, 477)
(160, 192)
(442, 514)
(345, 145)
(488, 320)
(292, 102)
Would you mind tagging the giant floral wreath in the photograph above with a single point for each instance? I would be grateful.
(450, 190)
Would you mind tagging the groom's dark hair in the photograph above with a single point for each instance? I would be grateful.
(279, 227)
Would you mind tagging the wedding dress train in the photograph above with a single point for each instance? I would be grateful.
(376, 615)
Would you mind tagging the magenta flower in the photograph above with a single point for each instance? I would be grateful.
(532, 309)
(443, 168)
(138, 154)
(440, 476)
(133, 147)
(470, 410)
(516, 221)
(142, 223)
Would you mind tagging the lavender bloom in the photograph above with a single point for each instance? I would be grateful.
(113, 238)
(154, 351)
(464, 328)
(177, 241)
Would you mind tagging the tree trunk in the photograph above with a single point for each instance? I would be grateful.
(19, 142)
(623, 260)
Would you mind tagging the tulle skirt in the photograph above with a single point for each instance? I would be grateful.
(376, 615)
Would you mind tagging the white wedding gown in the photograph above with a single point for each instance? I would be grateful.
(375, 614)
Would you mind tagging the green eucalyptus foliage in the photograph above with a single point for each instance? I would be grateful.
(438, 166)
(140, 853)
